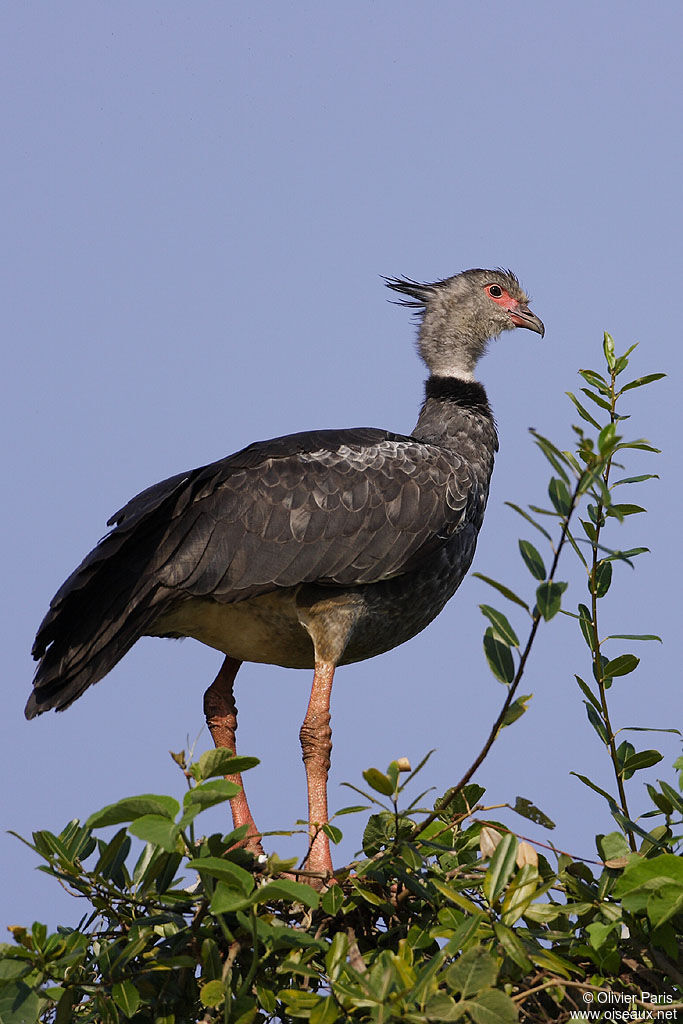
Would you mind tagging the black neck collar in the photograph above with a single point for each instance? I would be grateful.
(467, 393)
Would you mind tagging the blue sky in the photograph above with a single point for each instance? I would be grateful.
(198, 203)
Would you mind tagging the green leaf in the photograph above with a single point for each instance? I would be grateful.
(442, 1007)
(505, 591)
(583, 413)
(501, 867)
(133, 807)
(207, 794)
(473, 971)
(529, 519)
(520, 894)
(588, 693)
(601, 578)
(613, 846)
(333, 900)
(286, 889)
(212, 993)
(220, 868)
(560, 496)
(640, 381)
(596, 789)
(529, 810)
(333, 833)
(499, 657)
(532, 560)
(126, 997)
(621, 511)
(641, 759)
(513, 946)
(634, 636)
(228, 899)
(516, 709)
(608, 349)
(19, 1004)
(501, 627)
(554, 456)
(598, 401)
(596, 721)
(586, 626)
(491, 1007)
(378, 781)
(549, 599)
(621, 666)
(155, 829)
(220, 762)
(325, 1011)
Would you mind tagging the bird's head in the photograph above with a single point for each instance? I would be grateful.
(458, 316)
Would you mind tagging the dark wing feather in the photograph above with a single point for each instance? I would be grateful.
(355, 510)
(341, 507)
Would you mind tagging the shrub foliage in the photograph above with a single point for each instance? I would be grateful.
(447, 914)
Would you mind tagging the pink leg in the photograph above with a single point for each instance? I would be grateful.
(221, 717)
(316, 744)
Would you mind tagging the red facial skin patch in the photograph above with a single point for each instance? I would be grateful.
(506, 301)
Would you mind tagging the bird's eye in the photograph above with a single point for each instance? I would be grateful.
(495, 291)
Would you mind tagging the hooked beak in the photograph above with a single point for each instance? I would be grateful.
(523, 317)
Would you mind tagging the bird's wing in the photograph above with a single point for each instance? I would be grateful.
(338, 507)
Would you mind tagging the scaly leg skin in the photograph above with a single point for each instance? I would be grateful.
(221, 717)
(316, 745)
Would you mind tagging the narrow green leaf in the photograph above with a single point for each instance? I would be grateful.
(588, 693)
(634, 636)
(532, 560)
(520, 894)
(583, 413)
(513, 946)
(554, 456)
(501, 867)
(549, 599)
(586, 625)
(640, 381)
(636, 479)
(501, 627)
(529, 519)
(598, 401)
(596, 380)
(591, 785)
(621, 511)
(621, 666)
(499, 657)
(596, 721)
(505, 591)
(675, 798)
